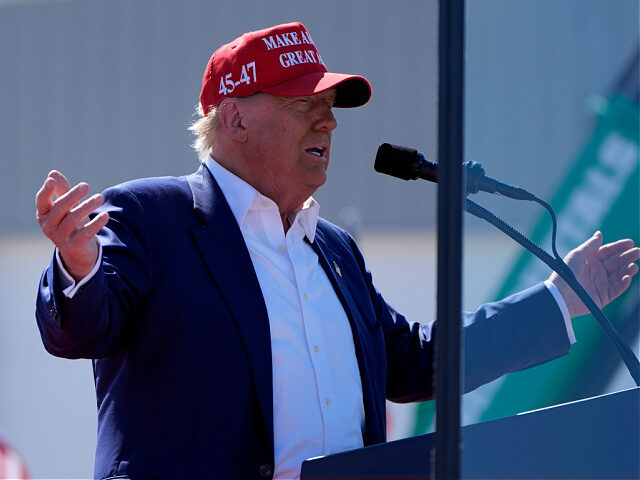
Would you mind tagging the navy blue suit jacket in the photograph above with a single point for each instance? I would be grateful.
(177, 328)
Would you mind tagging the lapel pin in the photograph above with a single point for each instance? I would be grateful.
(337, 269)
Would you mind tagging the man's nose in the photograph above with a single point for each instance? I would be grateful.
(326, 120)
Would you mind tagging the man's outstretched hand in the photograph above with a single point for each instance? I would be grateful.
(65, 221)
(604, 271)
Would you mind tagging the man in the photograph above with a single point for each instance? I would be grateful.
(234, 333)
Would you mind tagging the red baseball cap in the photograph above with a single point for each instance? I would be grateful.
(281, 60)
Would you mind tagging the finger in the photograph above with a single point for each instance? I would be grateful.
(616, 289)
(91, 228)
(616, 262)
(44, 198)
(614, 248)
(99, 221)
(628, 271)
(55, 184)
(618, 278)
(78, 215)
(66, 202)
(60, 208)
(62, 185)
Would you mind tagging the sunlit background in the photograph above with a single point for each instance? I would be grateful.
(103, 90)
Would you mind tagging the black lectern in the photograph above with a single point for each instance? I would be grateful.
(595, 438)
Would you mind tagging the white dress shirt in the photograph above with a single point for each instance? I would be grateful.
(317, 390)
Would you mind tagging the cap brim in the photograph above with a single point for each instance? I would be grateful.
(351, 90)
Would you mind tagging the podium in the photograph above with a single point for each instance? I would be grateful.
(595, 438)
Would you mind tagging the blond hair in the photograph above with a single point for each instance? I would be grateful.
(204, 128)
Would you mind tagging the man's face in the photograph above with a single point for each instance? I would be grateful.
(289, 140)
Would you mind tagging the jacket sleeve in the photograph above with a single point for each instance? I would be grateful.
(95, 322)
(521, 331)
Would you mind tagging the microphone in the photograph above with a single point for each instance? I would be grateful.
(409, 164)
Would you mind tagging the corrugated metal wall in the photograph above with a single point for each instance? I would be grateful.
(103, 90)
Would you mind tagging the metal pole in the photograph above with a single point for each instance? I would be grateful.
(450, 156)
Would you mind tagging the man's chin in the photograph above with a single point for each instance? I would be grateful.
(319, 179)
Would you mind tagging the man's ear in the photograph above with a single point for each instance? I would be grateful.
(232, 121)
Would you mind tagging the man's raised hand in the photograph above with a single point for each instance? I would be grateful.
(65, 221)
(604, 271)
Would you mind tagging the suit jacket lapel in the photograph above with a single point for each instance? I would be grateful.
(331, 263)
(226, 256)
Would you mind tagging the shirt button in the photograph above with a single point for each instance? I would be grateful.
(265, 203)
(305, 296)
(327, 401)
(265, 470)
(316, 348)
(281, 249)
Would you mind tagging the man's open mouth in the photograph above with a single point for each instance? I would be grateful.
(317, 151)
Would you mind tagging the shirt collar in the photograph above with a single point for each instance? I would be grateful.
(307, 217)
(240, 196)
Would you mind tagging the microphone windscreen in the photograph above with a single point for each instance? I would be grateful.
(396, 161)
